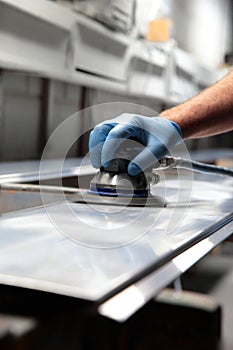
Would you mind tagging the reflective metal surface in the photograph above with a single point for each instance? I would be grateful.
(28, 171)
(124, 304)
(94, 251)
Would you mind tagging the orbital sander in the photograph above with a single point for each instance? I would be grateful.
(112, 185)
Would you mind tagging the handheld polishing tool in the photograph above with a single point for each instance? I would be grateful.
(113, 185)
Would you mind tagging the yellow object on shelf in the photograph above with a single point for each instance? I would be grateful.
(159, 30)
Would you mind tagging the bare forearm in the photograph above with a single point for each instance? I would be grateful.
(209, 113)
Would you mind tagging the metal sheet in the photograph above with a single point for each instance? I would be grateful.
(92, 252)
(29, 171)
(124, 304)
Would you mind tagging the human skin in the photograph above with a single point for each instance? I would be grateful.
(208, 113)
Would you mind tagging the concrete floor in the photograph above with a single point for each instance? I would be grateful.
(213, 275)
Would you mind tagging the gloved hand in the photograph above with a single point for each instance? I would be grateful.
(158, 135)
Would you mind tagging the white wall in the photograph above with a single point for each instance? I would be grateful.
(19, 116)
(20, 113)
(203, 28)
(64, 100)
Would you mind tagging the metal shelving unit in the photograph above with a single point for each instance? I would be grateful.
(64, 45)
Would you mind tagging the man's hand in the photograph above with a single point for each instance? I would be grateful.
(157, 135)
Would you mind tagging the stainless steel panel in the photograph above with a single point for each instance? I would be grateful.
(124, 304)
(29, 171)
(94, 251)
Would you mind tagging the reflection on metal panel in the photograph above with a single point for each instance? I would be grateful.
(124, 304)
(94, 251)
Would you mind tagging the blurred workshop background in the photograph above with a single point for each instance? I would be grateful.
(59, 57)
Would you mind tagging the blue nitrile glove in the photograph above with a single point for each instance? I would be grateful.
(158, 135)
